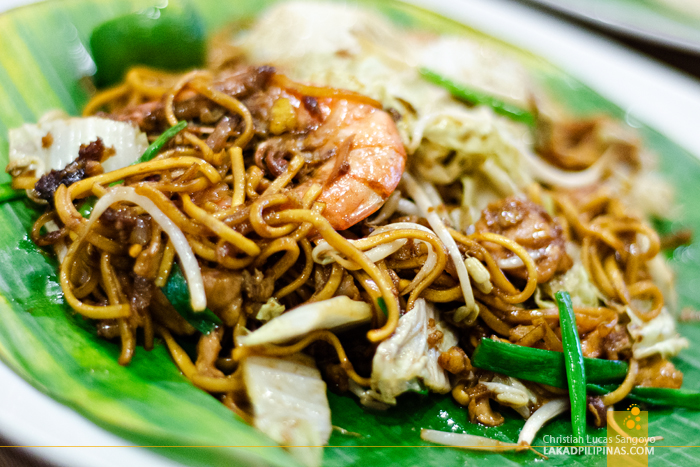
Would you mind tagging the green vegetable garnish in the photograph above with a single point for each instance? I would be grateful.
(475, 97)
(573, 356)
(542, 366)
(86, 208)
(655, 396)
(170, 38)
(382, 306)
(177, 292)
(423, 391)
(7, 193)
(154, 148)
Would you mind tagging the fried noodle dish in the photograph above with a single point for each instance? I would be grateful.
(323, 209)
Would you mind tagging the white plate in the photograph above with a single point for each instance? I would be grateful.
(662, 98)
(660, 24)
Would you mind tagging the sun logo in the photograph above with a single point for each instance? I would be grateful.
(632, 420)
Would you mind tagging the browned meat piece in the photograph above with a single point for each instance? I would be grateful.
(141, 294)
(86, 164)
(680, 237)
(578, 196)
(223, 129)
(240, 83)
(150, 116)
(480, 411)
(47, 141)
(223, 290)
(108, 328)
(616, 343)
(257, 287)
(657, 372)
(271, 154)
(530, 226)
(311, 105)
(120, 219)
(591, 344)
(435, 336)
(123, 220)
(598, 411)
(336, 377)
(190, 108)
(578, 144)
(208, 349)
(454, 360)
(348, 288)
(146, 116)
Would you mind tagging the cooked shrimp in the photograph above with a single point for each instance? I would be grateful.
(351, 147)
(366, 165)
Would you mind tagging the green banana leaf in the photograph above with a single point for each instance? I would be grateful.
(44, 54)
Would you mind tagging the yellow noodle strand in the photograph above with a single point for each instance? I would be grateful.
(88, 286)
(624, 389)
(392, 235)
(115, 297)
(170, 97)
(344, 247)
(257, 219)
(170, 209)
(238, 169)
(292, 170)
(89, 311)
(191, 186)
(305, 274)
(184, 363)
(35, 233)
(64, 198)
(280, 351)
(166, 265)
(497, 277)
(103, 97)
(331, 284)
(232, 104)
(286, 244)
(219, 228)
(320, 92)
(521, 253)
(254, 176)
(135, 79)
(201, 249)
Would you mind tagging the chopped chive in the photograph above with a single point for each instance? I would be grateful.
(86, 208)
(573, 356)
(178, 294)
(541, 366)
(158, 144)
(7, 193)
(422, 391)
(660, 397)
(475, 97)
(382, 306)
(155, 147)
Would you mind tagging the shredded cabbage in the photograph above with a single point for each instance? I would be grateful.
(657, 336)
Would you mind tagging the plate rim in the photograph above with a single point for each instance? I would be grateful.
(617, 25)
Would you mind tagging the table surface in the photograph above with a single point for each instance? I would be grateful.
(684, 62)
